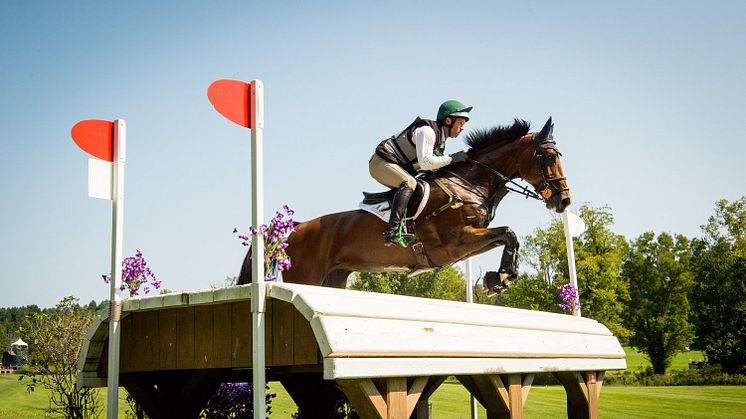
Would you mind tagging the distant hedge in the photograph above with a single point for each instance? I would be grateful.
(707, 376)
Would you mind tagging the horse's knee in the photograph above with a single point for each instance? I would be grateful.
(509, 238)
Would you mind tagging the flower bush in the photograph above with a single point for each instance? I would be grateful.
(570, 298)
(135, 273)
(275, 237)
(234, 400)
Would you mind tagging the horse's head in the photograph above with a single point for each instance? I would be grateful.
(544, 170)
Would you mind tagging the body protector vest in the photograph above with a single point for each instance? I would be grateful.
(401, 150)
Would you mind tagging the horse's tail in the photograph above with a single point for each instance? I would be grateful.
(244, 277)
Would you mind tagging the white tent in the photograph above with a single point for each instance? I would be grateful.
(19, 343)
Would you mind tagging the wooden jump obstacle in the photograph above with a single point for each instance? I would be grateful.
(386, 353)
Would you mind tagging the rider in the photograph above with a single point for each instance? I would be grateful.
(418, 148)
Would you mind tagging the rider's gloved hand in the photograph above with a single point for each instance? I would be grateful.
(459, 156)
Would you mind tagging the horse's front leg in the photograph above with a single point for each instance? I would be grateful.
(480, 240)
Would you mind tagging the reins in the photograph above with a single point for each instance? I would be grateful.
(522, 190)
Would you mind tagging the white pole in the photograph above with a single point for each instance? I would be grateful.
(571, 259)
(470, 299)
(258, 295)
(115, 300)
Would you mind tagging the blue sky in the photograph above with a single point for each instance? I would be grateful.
(647, 98)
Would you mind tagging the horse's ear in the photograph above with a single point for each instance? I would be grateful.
(545, 132)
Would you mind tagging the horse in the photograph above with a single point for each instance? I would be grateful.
(463, 198)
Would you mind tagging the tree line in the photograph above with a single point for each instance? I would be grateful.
(658, 293)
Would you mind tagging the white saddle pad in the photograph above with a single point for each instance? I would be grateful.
(382, 210)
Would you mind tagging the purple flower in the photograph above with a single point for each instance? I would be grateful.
(275, 235)
(135, 274)
(570, 298)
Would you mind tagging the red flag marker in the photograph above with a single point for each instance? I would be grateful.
(231, 99)
(95, 137)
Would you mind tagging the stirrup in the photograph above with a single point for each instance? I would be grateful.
(399, 237)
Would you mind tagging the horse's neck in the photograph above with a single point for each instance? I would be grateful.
(507, 161)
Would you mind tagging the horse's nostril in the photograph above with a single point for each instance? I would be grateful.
(566, 202)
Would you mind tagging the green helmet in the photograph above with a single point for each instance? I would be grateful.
(453, 108)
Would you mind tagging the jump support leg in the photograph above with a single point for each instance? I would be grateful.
(583, 391)
(503, 396)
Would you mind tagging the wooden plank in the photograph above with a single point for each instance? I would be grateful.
(203, 336)
(137, 342)
(282, 334)
(241, 335)
(185, 338)
(371, 337)
(396, 398)
(341, 368)
(126, 355)
(221, 344)
(167, 339)
(151, 345)
(315, 300)
(306, 350)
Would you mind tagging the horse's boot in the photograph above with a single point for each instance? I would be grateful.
(396, 231)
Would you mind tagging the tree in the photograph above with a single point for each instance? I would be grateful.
(719, 265)
(659, 278)
(57, 336)
(445, 284)
(598, 259)
(531, 292)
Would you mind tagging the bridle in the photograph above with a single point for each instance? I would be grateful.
(548, 187)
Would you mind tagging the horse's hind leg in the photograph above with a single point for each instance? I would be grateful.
(336, 279)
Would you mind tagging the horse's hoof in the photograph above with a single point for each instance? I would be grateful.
(495, 283)
(506, 279)
(491, 283)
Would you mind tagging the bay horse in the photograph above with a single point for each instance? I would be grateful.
(325, 250)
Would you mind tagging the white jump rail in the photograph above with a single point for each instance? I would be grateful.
(364, 334)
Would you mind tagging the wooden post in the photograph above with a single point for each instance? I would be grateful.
(503, 396)
(583, 391)
(387, 398)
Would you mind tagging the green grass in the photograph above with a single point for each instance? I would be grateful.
(16, 402)
(638, 361)
(451, 401)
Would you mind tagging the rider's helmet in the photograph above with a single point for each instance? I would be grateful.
(453, 108)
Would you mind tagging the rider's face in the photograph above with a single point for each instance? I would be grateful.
(457, 127)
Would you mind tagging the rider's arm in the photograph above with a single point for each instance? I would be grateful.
(424, 140)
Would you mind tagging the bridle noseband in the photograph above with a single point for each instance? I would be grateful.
(549, 186)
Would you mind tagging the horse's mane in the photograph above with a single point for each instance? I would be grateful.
(501, 134)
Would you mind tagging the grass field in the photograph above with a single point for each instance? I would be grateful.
(636, 360)
(451, 401)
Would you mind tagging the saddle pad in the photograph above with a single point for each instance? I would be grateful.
(382, 210)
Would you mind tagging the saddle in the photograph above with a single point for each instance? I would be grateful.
(379, 203)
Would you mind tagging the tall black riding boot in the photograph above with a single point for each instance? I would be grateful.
(393, 235)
